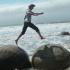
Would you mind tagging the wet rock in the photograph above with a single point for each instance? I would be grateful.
(13, 57)
(64, 33)
(51, 57)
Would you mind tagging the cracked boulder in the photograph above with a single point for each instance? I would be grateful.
(51, 57)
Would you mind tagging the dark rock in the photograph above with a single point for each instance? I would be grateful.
(51, 57)
(13, 57)
(64, 33)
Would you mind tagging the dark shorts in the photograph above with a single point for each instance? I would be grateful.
(29, 24)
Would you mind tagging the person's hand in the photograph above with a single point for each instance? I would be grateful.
(42, 13)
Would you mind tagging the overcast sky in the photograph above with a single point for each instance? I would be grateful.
(13, 11)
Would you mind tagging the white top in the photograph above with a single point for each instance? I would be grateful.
(28, 16)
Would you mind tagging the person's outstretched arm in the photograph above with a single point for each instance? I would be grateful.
(35, 14)
(39, 13)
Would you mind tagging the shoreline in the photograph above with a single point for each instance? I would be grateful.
(34, 23)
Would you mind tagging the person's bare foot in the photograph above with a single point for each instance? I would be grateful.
(16, 41)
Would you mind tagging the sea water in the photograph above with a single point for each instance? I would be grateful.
(31, 40)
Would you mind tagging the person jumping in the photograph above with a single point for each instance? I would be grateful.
(28, 23)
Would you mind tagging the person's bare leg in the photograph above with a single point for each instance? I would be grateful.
(18, 38)
(40, 35)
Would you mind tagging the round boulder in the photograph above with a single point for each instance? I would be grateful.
(64, 33)
(13, 57)
(51, 57)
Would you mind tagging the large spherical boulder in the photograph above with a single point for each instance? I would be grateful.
(51, 57)
(64, 33)
(13, 57)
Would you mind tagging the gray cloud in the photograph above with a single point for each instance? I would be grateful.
(54, 11)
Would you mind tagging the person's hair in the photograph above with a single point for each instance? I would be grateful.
(31, 5)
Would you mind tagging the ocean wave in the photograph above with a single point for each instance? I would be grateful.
(31, 41)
